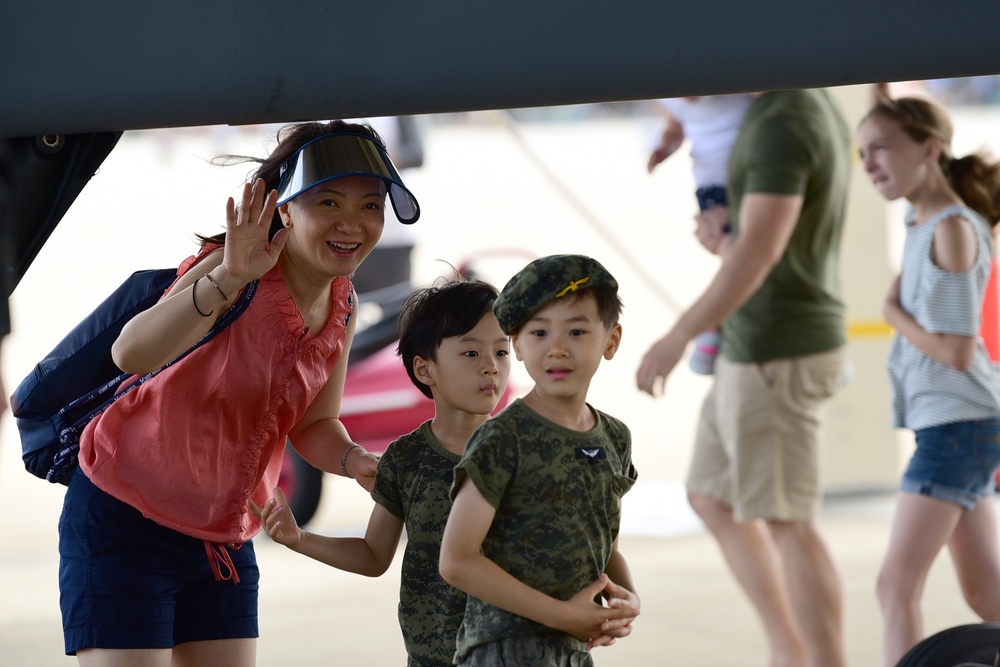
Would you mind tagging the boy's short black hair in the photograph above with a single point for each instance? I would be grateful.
(434, 313)
(609, 303)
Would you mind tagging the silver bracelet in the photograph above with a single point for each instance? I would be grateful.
(343, 459)
(212, 280)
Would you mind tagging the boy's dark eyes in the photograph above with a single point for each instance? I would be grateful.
(474, 353)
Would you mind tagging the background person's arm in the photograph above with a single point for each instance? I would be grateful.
(671, 139)
(766, 224)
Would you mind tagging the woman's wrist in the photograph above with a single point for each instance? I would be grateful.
(224, 283)
(353, 447)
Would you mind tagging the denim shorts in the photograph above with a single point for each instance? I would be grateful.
(127, 582)
(955, 462)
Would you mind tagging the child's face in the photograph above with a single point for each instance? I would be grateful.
(471, 370)
(562, 345)
(896, 164)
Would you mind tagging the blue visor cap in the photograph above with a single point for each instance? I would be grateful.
(345, 154)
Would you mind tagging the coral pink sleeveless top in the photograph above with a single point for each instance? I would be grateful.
(192, 445)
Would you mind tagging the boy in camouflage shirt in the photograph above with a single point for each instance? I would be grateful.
(455, 353)
(533, 532)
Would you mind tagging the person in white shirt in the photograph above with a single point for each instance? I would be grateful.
(711, 125)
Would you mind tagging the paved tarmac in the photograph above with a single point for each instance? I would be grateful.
(692, 613)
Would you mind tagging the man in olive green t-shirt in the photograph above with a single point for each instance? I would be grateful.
(754, 477)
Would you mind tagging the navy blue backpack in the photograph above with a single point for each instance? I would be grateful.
(78, 379)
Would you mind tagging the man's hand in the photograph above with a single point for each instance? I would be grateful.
(712, 228)
(658, 363)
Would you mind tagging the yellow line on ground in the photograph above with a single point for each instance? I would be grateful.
(860, 329)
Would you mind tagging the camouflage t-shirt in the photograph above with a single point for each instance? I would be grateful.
(412, 481)
(557, 494)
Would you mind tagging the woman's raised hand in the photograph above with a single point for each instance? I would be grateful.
(248, 253)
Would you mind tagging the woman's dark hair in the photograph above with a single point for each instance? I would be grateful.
(434, 313)
(975, 177)
(290, 139)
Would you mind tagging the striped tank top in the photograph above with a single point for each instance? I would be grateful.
(927, 392)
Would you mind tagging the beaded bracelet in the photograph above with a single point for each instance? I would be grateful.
(343, 459)
(194, 300)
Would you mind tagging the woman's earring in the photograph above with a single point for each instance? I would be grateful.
(286, 219)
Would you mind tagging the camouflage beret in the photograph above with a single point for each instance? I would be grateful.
(545, 280)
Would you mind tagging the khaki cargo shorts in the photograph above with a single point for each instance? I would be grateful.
(757, 446)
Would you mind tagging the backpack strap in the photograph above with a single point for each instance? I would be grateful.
(67, 459)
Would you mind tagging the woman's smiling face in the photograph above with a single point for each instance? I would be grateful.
(335, 224)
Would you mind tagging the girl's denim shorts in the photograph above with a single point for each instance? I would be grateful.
(955, 462)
